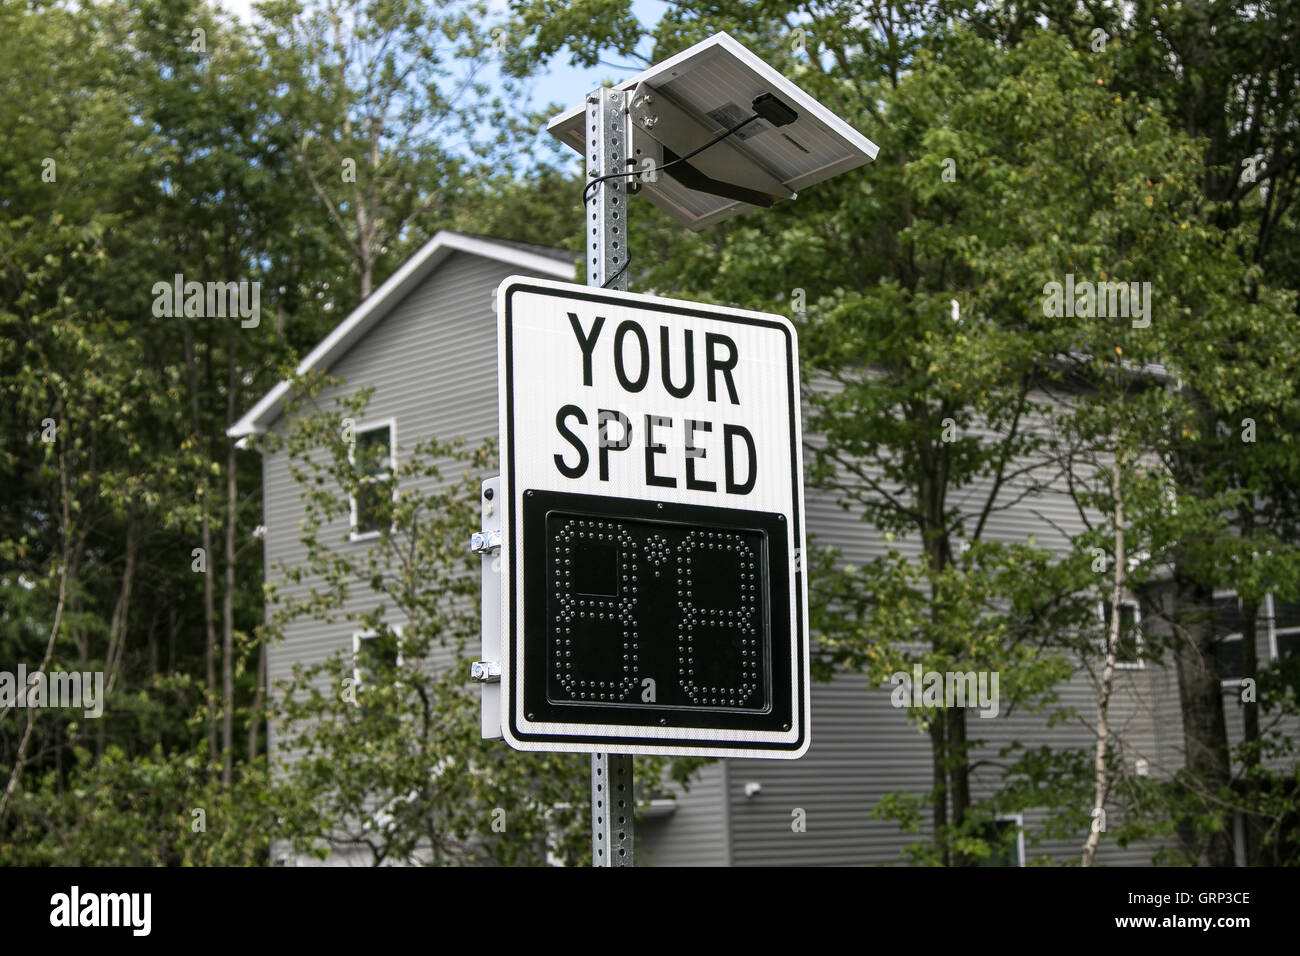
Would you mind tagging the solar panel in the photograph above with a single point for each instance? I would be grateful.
(706, 90)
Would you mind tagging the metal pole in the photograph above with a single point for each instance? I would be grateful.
(606, 210)
(605, 232)
(612, 810)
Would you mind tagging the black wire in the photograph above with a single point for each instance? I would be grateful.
(716, 139)
(680, 159)
(614, 277)
(713, 142)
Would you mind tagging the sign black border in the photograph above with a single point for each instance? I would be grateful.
(612, 744)
(777, 714)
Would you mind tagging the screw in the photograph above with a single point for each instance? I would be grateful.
(488, 494)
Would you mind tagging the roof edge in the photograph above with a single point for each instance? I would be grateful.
(415, 269)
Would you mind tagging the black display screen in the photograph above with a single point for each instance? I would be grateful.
(654, 612)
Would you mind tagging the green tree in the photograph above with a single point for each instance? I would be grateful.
(382, 749)
(385, 101)
(1225, 75)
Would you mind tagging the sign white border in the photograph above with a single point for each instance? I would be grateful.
(611, 738)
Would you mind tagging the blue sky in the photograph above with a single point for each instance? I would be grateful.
(560, 83)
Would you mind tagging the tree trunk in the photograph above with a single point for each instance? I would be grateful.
(255, 716)
(228, 595)
(173, 622)
(1250, 729)
(939, 756)
(947, 741)
(152, 644)
(117, 626)
(958, 775)
(210, 631)
(1101, 785)
(1205, 736)
(952, 793)
(209, 598)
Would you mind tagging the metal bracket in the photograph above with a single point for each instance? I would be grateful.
(485, 672)
(663, 131)
(485, 542)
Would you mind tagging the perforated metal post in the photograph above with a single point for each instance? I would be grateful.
(612, 803)
(611, 810)
(606, 211)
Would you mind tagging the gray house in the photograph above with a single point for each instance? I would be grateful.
(426, 341)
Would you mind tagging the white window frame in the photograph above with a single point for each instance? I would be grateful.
(1132, 602)
(391, 424)
(1270, 611)
(359, 636)
(1273, 631)
(1273, 634)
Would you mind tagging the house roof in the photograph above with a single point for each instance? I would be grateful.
(549, 262)
(559, 255)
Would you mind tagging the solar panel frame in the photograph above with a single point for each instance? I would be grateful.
(721, 74)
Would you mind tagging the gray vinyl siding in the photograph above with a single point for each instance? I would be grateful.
(863, 748)
(695, 834)
(432, 362)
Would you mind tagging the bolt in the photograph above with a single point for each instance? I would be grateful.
(488, 494)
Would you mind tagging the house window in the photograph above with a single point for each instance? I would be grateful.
(1227, 638)
(375, 656)
(1286, 629)
(1288, 643)
(1128, 651)
(1282, 618)
(1006, 839)
(374, 460)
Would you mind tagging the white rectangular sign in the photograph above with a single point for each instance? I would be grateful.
(653, 595)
